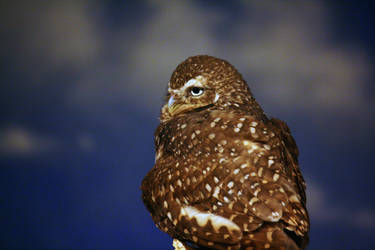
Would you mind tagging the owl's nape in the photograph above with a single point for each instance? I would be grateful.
(225, 176)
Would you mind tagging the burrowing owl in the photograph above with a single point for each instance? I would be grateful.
(225, 175)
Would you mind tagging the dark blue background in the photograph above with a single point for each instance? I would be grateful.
(81, 87)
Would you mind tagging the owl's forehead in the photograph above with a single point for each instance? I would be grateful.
(181, 76)
(212, 70)
(194, 68)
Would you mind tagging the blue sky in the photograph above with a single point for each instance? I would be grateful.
(83, 82)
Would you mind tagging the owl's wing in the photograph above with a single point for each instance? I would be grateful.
(214, 186)
(295, 214)
(292, 155)
(184, 213)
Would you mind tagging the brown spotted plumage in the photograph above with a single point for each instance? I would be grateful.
(225, 176)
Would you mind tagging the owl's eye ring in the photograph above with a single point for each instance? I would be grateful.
(196, 91)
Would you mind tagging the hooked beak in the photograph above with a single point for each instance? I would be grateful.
(171, 101)
(175, 108)
(172, 106)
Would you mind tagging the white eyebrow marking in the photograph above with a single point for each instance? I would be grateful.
(193, 82)
(197, 82)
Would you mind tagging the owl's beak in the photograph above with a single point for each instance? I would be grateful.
(173, 107)
(171, 101)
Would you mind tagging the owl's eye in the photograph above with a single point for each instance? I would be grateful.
(196, 91)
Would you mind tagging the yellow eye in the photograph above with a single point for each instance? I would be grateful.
(196, 91)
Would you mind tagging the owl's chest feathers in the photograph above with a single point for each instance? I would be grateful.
(171, 137)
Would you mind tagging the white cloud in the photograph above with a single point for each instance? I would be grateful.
(283, 49)
(86, 142)
(323, 211)
(52, 34)
(364, 218)
(175, 31)
(18, 141)
(287, 49)
(69, 36)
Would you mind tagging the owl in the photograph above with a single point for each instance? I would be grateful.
(225, 175)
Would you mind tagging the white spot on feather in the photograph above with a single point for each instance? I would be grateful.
(216, 180)
(169, 215)
(294, 198)
(252, 149)
(276, 177)
(253, 200)
(208, 187)
(274, 217)
(202, 219)
(216, 192)
(268, 147)
(179, 183)
(244, 165)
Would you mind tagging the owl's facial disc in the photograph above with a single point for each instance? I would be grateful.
(193, 94)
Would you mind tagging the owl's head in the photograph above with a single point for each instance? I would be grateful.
(202, 82)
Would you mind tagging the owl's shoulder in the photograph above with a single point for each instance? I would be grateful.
(286, 136)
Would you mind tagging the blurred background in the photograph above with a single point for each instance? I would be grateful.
(81, 87)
